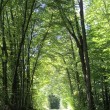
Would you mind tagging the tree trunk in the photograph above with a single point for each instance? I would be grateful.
(85, 61)
(4, 61)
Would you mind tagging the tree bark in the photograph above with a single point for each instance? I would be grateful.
(85, 61)
(4, 61)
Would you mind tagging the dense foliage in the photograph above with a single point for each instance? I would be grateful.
(54, 50)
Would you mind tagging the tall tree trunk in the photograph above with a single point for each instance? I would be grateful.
(85, 61)
(4, 61)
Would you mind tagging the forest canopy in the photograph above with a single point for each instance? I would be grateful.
(54, 54)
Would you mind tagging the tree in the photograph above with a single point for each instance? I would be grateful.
(55, 47)
(81, 43)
